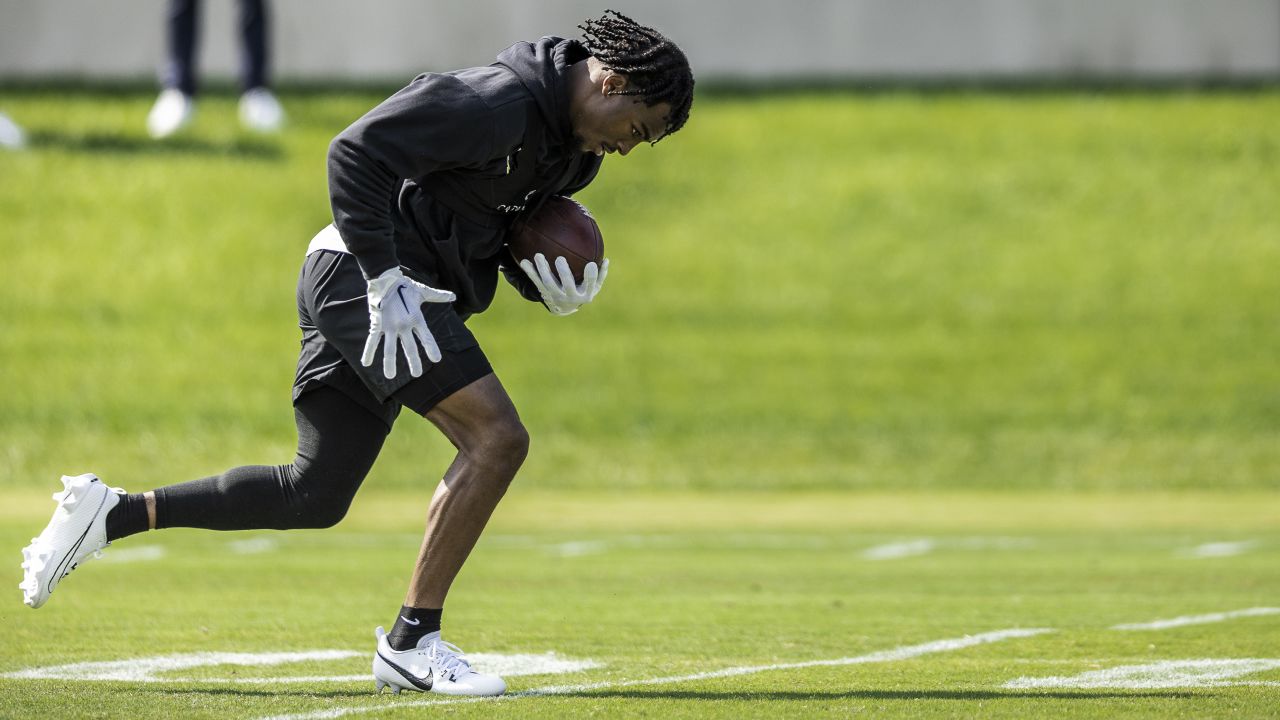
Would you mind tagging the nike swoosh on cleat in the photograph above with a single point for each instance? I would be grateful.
(411, 622)
(61, 570)
(417, 682)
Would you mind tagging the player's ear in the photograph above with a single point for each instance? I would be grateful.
(614, 83)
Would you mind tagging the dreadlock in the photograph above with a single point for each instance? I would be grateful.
(656, 69)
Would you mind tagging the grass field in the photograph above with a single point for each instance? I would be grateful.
(657, 587)
(937, 390)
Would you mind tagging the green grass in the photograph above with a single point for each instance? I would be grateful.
(1036, 335)
(1061, 291)
(662, 584)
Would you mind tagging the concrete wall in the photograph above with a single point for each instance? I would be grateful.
(395, 39)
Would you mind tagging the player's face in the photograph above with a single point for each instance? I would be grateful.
(610, 123)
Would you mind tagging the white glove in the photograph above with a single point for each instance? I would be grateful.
(564, 296)
(395, 315)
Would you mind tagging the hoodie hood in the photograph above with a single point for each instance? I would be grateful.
(543, 68)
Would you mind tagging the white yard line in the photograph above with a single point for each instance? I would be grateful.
(765, 541)
(1198, 619)
(1222, 549)
(498, 664)
(578, 548)
(1160, 675)
(252, 546)
(901, 653)
(924, 546)
(893, 551)
(150, 669)
(141, 553)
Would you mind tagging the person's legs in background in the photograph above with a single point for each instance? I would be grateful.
(175, 107)
(259, 109)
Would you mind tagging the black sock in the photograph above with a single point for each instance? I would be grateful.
(128, 517)
(411, 625)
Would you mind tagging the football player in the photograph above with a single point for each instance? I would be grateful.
(423, 189)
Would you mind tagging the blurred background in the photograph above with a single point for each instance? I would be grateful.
(902, 244)
(726, 39)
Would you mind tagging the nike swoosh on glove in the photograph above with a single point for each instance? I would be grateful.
(395, 317)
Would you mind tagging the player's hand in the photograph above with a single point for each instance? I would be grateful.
(562, 295)
(395, 316)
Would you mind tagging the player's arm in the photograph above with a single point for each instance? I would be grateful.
(433, 124)
(436, 123)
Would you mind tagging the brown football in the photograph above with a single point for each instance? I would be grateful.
(560, 228)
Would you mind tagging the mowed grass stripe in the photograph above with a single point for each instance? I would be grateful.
(812, 291)
(527, 508)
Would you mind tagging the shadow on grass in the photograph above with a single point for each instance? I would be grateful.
(376, 701)
(775, 696)
(785, 695)
(249, 692)
(112, 144)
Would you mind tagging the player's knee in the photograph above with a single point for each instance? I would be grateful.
(511, 442)
(319, 502)
(325, 515)
(504, 446)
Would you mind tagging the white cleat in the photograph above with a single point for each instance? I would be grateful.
(434, 665)
(172, 112)
(77, 532)
(260, 111)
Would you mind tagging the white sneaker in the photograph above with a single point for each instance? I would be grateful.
(11, 135)
(260, 111)
(172, 112)
(77, 532)
(433, 665)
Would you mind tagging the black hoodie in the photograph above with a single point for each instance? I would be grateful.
(432, 178)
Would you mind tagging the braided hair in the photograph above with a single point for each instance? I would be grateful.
(656, 69)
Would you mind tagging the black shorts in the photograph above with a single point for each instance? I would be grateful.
(333, 313)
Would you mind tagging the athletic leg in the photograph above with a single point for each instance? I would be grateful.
(482, 423)
(338, 441)
(492, 443)
(462, 397)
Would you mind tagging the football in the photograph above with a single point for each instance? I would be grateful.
(560, 228)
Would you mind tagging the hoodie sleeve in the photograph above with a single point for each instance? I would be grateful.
(436, 123)
(516, 277)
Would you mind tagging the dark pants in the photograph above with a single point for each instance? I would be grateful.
(183, 33)
(343, 411)
(338, 440)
